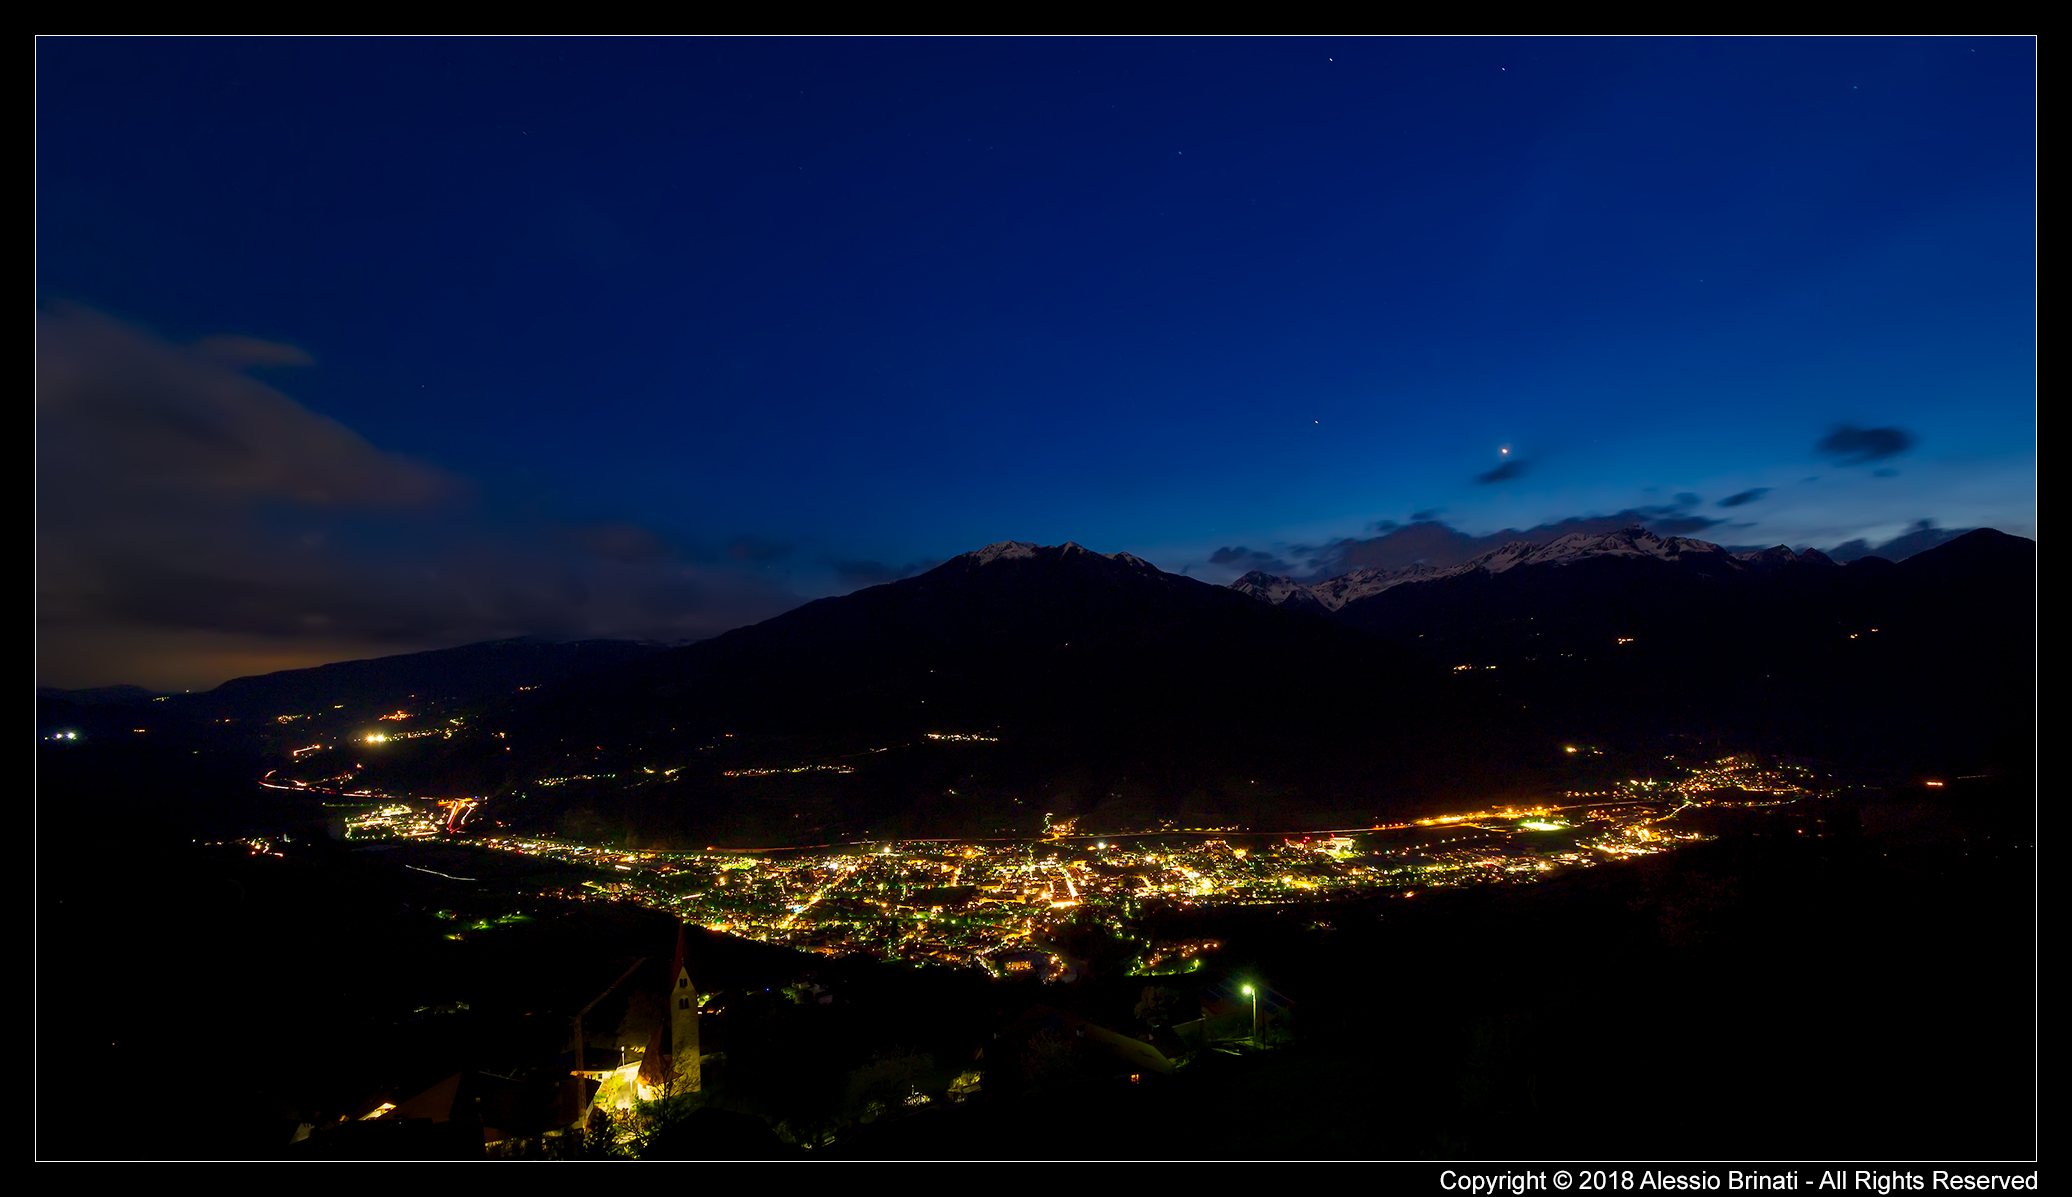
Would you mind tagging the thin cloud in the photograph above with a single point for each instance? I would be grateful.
(152, 417)
(1251, 559)
(757, 551)
(190, 515)
(1850, 445)
(1920, 537)
(627, 544)
(251, 351)
(1683, 525)
(1502, 473)
(858, 574)
(1747, 496)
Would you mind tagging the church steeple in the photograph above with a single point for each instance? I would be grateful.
(683, 1019)
(671, 1064)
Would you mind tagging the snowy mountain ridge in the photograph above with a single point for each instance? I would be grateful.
(1021, 550)
(1633, 542)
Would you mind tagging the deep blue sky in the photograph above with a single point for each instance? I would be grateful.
(656, 337)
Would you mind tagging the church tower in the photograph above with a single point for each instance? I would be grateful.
(671, 1064)
(683, 1020)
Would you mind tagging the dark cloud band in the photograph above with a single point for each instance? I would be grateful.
(1503, 473)
(1850, 445)
(191, 518)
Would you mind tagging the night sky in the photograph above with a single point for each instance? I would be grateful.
(350, 347)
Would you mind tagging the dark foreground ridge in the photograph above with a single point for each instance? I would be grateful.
(1848, 980)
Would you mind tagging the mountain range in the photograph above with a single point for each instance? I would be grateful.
(1019, 681)
(1926, 660)
(1432, 542)
(1632, 542)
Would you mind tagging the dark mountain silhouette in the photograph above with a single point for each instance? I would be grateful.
(1054, 638)
(470, 674)
(1434, 543)
(100, 696)
(1927, 662)
(1923, 536)
(1109, 683)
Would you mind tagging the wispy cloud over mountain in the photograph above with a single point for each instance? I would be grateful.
(1243, 558)
(1431, 542)
(1514, 468)
(196, 522)
(859, 573)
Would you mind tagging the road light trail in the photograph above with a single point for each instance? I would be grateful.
(823, 892)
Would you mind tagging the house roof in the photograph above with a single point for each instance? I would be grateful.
(501, 1106)
(653, 1068)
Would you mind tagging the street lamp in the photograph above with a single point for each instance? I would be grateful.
(1254, 995)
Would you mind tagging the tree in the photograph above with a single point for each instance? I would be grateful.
(885, 1083)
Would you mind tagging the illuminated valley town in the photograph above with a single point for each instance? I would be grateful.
(987, 903)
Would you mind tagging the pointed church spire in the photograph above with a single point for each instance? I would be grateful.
(684, 1063)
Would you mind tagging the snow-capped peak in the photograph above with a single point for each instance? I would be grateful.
(1780, 557)
(1274, 589)
(1005, 550)
(1631, 542)
(1773, 556)
(1021, 550)
(1360, 583)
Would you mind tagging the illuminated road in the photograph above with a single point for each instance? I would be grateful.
(823, 892)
